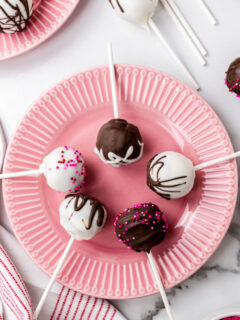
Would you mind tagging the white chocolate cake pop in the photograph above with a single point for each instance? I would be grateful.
(15, 15)
(82, 216)
(135, 11)
(170, 174)
(64, 169)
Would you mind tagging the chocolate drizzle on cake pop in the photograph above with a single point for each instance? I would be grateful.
(119, 143)
(142, 227)
(80, 201)
(162, 185)
(119, 5)
(233, 77)
(14, 17)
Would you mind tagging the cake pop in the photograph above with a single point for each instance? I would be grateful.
(171, 175)
(118, 142)
(127, 10)
(82, 217)
(141, 13)
(233, 77)
(141, 228)
(15, 15)
(63, 168)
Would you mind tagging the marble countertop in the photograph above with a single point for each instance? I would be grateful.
(81, 44)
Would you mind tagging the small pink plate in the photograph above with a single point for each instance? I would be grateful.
(49, 16)
(171, 117)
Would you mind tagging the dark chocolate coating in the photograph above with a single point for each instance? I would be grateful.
(96, 207)
(162, 184)
(16, 22)
(116, 136)
(233, 77)
(141, 227)
(119, 5)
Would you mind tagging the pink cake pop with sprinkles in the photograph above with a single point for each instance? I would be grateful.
(64, 169)
(141, 228)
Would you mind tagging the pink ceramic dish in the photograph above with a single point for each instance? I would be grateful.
(170, 116)
(49, 16)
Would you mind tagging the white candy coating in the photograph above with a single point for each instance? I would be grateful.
(117, 161)
(64, 169)
(76, 222)
(135, 11)
(14, 15)
(171, 175)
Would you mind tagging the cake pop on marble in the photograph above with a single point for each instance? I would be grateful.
(233, 77)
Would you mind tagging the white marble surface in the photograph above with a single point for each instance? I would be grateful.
(81, 44)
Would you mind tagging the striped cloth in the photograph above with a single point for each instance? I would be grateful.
(62, 303)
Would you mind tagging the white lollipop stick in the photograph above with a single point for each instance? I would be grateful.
(113, 80)
(175, 18)
(2, 146)
(216, 161)
(187, 27)
(208, 12)
(21, 174)
(53, 278)
(160, 285)
(156, 30)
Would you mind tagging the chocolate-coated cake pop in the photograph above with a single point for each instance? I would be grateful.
(142, 227)
(119, 143)
(233, 77)
(170, 174)
(82, 216)
(15, 15)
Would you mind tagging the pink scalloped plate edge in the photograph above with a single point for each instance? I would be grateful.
(163, 108)
(46, 20)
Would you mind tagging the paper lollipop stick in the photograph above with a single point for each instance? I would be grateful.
(53, 278)
(208, 12)
(158, 33)
(141, 228)
(113, 80)
(185, 26)
(82, 217)
(172, 175)
(64, 170)
(180, 26)
(216, 161)
(2, 146)
(160, 285)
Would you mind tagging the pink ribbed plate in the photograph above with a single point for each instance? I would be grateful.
(45, 21)
(171, 117)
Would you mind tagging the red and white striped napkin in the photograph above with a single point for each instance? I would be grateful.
(62, 303)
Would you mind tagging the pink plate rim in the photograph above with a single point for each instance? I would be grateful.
(45, 22)
(229, 211)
